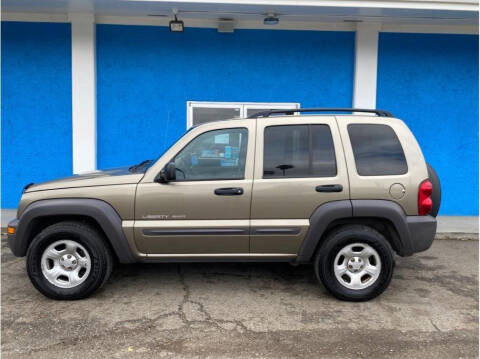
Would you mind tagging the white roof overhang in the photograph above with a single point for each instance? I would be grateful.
(425, 12)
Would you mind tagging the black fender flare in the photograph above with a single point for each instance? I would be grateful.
(99, 211)
(392, 212)
(328, 212)
(319, 221)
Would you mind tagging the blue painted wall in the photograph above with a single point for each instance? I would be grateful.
(145, 76)
(36, 105)
(431, 82)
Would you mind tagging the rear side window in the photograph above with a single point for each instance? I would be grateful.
(377, 150)
(298, 151)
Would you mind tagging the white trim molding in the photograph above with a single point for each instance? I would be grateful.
(445, 28)
(366, 58)
(33, 17)
(84, 93)
(453, 5)
(325, 23)
(320, 25)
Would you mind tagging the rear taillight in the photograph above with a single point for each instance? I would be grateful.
(424, 198)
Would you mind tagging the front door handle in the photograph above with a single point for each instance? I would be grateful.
(329, 188)
(235, 191)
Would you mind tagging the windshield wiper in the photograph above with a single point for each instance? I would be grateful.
(135, 168)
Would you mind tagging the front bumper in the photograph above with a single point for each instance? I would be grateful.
(422, 232)
(12, 243)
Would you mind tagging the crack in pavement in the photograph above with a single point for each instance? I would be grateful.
(146, 324)
(280, 313)
(435, 326)
(201, 308)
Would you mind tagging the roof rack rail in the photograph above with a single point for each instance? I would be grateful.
(380, 113)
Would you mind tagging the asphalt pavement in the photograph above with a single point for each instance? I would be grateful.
(249, 310)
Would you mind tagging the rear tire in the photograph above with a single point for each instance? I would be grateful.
(355, 263)
(69, 260)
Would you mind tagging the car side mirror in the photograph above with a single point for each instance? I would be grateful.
(167, 174)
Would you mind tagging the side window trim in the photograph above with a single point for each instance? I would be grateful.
(172, 159)
(310, 151)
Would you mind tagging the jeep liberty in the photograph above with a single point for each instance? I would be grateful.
(343, 192)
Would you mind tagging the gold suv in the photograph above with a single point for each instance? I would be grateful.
(341, 191)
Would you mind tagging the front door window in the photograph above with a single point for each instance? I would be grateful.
(214, 155)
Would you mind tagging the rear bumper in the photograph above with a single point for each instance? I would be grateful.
(422, 232)
(12, 243)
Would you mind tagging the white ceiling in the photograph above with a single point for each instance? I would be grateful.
(462, 12)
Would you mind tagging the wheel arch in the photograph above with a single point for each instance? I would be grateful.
(386, 217)
(97, 213)
(382, 225)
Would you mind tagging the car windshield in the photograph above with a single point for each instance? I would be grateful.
(145, 165)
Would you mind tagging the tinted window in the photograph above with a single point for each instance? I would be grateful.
(213, 155)
(298, 151)
(377, 150)
(209, 114)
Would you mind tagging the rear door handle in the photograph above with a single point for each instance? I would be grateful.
(329, 188)
(234, 191)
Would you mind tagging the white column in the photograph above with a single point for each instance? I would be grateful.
(366, 53)
(84, 93)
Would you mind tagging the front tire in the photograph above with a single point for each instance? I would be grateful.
(69, 260)
(355, 263)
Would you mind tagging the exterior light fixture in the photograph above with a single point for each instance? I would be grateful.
(176, 25)
(225, 25)
(270, 19)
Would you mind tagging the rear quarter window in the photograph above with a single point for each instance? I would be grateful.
(377, 150)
